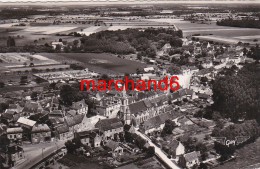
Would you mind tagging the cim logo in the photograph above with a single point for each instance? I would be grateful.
(227, 142)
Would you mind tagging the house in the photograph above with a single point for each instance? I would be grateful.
(26, 123)
(109, 107)
(111, 128)
(56, 114)
(80, 107)
(173, 148)
(90, 138)
(40, 133)
(13, 154)
(31, 108)
(55, 44)
(14, 134)
(115, 147)
(62, 132)
(189, 160)
(14, 107)
(156, 123)
(166, 48)
(204, 96)
(10, 116)
(76, 122)
(146, 108)
(235, 60)
(207, 64)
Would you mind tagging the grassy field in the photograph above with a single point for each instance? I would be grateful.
(248, 155)
(99, 62)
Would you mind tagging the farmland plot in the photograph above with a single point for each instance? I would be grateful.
(90, 30)
(49, 29)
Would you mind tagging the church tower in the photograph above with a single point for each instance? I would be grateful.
(125, 108)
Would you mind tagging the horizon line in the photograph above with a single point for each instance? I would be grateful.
(124, 2)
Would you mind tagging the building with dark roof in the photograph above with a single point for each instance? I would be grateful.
(90, 138)
(40, 133)
(12, 155)
(111, 128)
(62, 132)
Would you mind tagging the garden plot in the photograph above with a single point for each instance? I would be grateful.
(49, 29)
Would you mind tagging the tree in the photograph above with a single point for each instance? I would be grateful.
(128, 137)
(190, 144)
(168, 127)
(237, 96)
(23, 80)
(73, 144)
(58, 48)
(2, 84)
(139, 141)
(3, 107)
(105, 77)
(34, 96)
(10, 41)
(150, 151)
(139, 56)
(69, 94)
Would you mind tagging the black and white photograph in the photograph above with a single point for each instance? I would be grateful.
(129, 84)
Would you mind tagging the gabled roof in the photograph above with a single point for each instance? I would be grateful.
(137, 107)
(72, 121)
(79, 105)
(112, 145)
(108, 124)
(27, 122)
(87, 134)
(31, 107)
(174, 96)
(203, 96)
(8, 115)
(14, 130)
(62, 129)
(189, 157)
(40, 128)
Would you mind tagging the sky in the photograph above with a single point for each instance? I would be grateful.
(128, 1)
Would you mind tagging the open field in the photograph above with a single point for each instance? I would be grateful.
(49, 29)
(90, 30)
(219, 39)
(98, 62)
(221, 33)
(45, 33)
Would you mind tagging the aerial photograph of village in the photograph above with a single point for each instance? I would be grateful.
(130, 85)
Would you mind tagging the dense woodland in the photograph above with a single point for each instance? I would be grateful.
(245, 23)
(236, 95)
(131, 40)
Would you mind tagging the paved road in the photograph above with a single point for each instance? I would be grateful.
(159, 152)
(36, 152)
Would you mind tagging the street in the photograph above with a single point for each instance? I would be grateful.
(36, 152)
(159, 152)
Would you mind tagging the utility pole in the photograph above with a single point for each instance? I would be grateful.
(42, 152)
